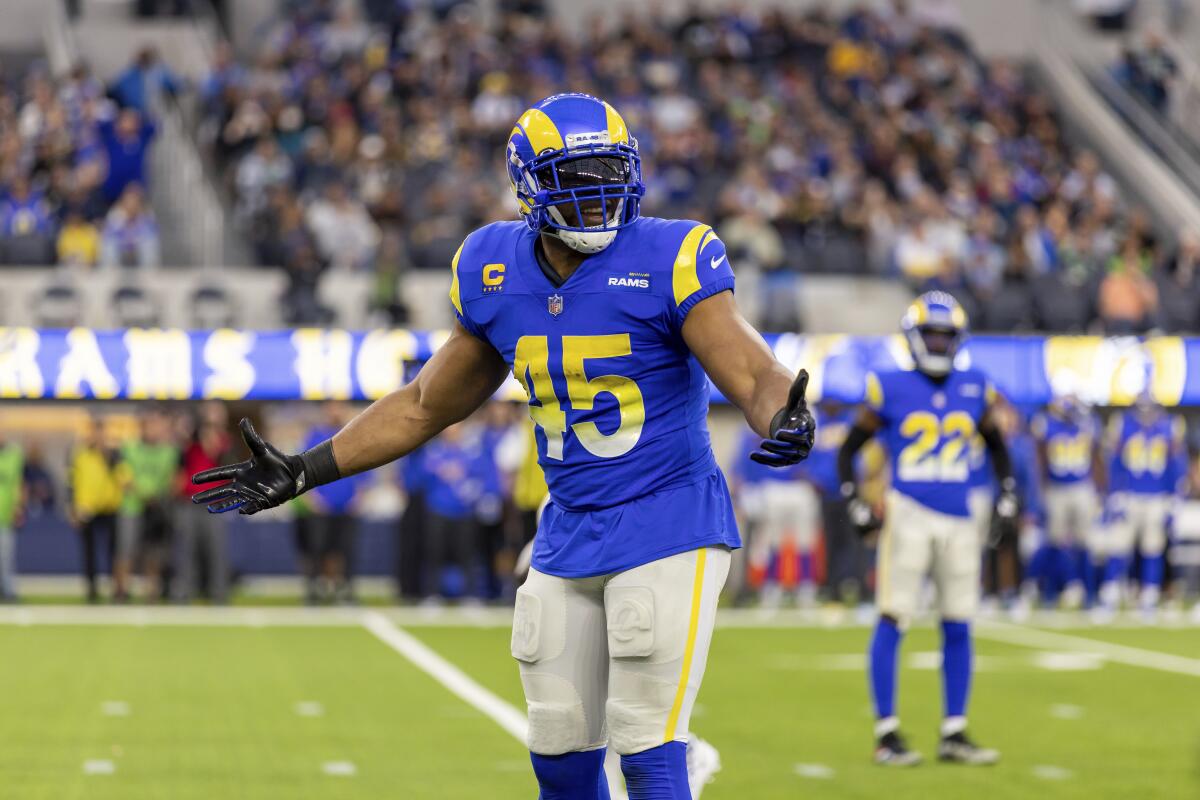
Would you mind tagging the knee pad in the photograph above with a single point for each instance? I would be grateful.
(630, 614)
(557, 721)
(644, 674)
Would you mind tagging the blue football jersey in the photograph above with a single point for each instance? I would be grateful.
(619, 402)
(1069, 443)
(1146, 456)
(930, 429)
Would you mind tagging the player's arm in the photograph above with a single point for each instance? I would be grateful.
(866, 425)
(738, 360)
(456, 380)
(1008, 505)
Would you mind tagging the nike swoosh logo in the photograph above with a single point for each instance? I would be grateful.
(716, 262)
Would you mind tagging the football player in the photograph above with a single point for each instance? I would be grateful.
(782, 512)
(1148, 469)
(928, 416)
(610, 320)
(1068, 442)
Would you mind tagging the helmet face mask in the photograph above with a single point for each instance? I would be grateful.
(589, 184)
(935, 327)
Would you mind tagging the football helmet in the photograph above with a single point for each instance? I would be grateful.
(935, 326)
(575, 170)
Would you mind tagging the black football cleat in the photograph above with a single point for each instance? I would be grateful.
(957, 748)
(891, 751)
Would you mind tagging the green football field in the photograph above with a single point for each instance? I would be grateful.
(291, 703)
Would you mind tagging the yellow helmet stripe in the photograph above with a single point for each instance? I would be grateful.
(920, 312)
(540, 130)
(684, 280)
(455, 297)
(617, 132)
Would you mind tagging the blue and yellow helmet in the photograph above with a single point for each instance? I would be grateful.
(575, 170)
(935, 326)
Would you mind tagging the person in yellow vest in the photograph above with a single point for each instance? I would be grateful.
(95, 497)
(529, 486)
(12, 501)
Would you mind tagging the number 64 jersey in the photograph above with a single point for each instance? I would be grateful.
(619, 402)
(930, 429)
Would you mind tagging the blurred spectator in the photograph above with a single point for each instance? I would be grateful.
(345, 234)
(147, 472)
(264, 168)
(130, 236)
(126, 141)
(39, 486)
(1107, 15)
(12, 502)
(453, 488)
(494, 431)
(1179, 286)
(1148, 71)
(201, 542)
(78, 240)
(24, 212)
(327, 551)
(95, 496)
(411, 533)
(143, 81)
(1128, 298)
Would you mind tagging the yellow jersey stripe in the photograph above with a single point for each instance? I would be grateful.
(874, 392)
(455, 297)
(689, 650)
(684, 280)
(617, 132)
(541, 131)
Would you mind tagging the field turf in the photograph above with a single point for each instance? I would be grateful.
(278, 703)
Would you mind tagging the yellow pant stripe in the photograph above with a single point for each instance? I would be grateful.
(883, 562)
(693, 626)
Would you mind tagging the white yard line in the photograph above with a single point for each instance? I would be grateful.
(500, 711)
(341, 769)
(1123, 654)
(503, 713)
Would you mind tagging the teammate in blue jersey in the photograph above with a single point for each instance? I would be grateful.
(783, 513)
(1147, 473)
(928, 417)
(1068, 443)
(611, 321)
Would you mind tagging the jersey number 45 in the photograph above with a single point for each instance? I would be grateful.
(531, 365)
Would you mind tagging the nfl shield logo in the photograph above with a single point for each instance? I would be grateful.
(555, 304)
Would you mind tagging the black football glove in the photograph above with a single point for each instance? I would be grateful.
(266, 480)
(792, 430)
(1005, 515)
(862, 516)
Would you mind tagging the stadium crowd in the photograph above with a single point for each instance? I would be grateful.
(73, 164)
(875, 141)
